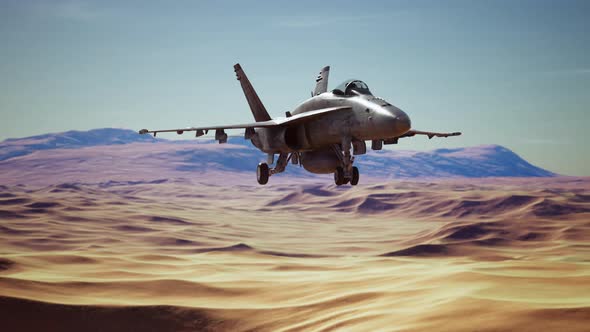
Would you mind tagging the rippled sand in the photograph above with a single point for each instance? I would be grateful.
(177, 256)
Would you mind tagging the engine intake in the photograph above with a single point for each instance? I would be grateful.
(277, 140)
(295, 137)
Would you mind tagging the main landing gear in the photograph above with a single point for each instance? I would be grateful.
(263, 172)
(345, 173)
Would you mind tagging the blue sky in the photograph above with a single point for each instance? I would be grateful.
(514, 73)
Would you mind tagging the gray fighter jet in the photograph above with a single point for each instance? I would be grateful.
(320, 133)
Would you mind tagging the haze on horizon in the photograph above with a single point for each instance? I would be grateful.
(514, 73)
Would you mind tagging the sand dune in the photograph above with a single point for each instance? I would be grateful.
(177, 255)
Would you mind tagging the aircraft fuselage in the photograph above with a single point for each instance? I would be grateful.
(369, 118)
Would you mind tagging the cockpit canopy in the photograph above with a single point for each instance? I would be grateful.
(348, 88)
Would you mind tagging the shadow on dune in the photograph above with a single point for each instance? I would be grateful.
(550, 208)
(43, 205)
(318, 191)
(475, 239)
(10, 214)
(168, 220)
(242, 247)
(16, 315)
(468, 232)
(372, 205)
(233, 248)
(422, 250)
(12, 231)
(134, 229)
(66, 187)
(5, 264)
(14, 201)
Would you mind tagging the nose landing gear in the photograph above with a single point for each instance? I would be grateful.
(340, 178)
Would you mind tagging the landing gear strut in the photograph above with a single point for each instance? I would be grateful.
(339, 176)
(345, 173)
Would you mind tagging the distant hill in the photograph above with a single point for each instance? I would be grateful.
(14, 147)
(78, 152)
(472, 162)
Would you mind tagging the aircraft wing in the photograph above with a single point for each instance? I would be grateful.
(430, 134)
(295, 119)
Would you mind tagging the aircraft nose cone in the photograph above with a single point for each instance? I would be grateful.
(402, 123)
(393, 121)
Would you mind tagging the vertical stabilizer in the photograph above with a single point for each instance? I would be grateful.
(321, 85)
(256, 106)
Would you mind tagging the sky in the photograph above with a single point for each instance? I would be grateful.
(513, 73)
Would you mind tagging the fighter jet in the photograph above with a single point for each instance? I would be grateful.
(323, 134)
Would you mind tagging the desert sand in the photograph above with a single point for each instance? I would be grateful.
(189, 255)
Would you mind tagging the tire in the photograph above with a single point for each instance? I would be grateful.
(355, 176)
(262, 173)
(339, 176)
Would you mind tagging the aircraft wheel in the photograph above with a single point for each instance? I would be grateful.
(262, 173)
(355, 176)
(339, 176)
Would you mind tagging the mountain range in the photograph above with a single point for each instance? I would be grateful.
(106, 150)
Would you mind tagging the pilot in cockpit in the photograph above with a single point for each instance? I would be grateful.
(352, 88)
